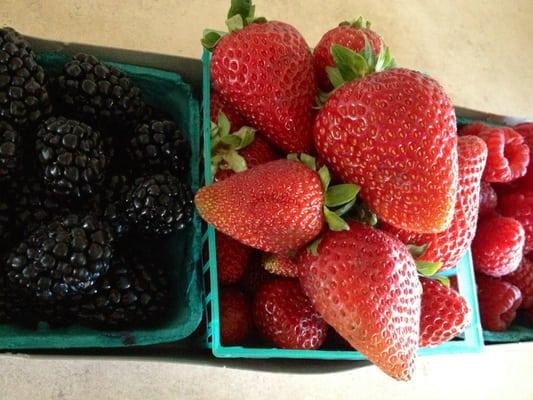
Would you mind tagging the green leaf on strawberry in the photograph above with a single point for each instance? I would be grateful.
(428, 268)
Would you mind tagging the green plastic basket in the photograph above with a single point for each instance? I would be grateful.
(180, 253)
(471, 341)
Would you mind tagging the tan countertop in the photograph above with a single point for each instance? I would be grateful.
(480, 50)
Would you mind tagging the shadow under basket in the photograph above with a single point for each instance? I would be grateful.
(180, 252)
(470, 342)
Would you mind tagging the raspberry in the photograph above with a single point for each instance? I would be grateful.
(498, 302)
(522, 278)
(519, 205)
(488, 199)
(508, 155)
(473, 129)
(498, 245)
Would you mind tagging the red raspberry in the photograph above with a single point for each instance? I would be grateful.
(232, 259)
(508, 155)
(498, 245)
(219, 105)
(444, 314)
(488, 199)
(526, 130)
(473, 129)
(285, 317)
(235, 316)
(522, 278)
(519, 205)
(498, 302)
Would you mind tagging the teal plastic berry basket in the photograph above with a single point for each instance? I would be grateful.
(470, 342)
(180, 253)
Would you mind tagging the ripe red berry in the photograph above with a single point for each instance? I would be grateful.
(232, 259)
(498, 245)
(508, 155)
(280, 265)
(519, 205)
(285, 317)
(473, 129)
(498, 302)
(218, 105)
(235, 316)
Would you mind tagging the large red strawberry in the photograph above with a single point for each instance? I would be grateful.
(498, 245)
(488, 199)
(526, 130)
(445, 313)
(286, 318)
(448, 246)
(364, 283)
(280, 265)
(265, 71)
(394, 134)
(235, 316)
(352, 35)
(232, 259)
(519, 205)
(218, 105)
(498, 302)
(522, 278)
(508, 155)
(276, 207)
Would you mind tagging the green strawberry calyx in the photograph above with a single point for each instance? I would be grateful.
(430, 269)
(338, 199)
(225, 145)
(240, 15)
(358, 23)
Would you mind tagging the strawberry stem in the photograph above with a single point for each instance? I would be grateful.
(417, 251)
(428, 268)
(358, 23)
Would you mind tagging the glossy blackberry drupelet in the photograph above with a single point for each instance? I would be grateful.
(158, 145)
(112, 203)
(97, 93)
(71, 157)
(159, 205)
(33, 205)
(62, 258)
(10, 151)
(134, 293)
(24, 98)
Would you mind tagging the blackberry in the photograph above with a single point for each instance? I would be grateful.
(71, 157)
(33, 205)
(159, 204)
(97, 93)
(6, 220)
(62, 258)
(10, 150)
(134, 293)
(24, 96)
(158, 145)
(111, 206)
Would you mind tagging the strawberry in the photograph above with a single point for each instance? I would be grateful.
(394, 133)
(364, 283)
(232, 259)
(473, 129)
(488, 199)
(508, 155)
(235, 316)
(285, 317)
(448, 246)
(522, 278)
(444, 315)
(218, 105)
(280, 265)
(237, 151)
(498, 245)
(276, 207)
(351, 35)
(265, 71)
(526, 130)
(498, 302)
(519, 205)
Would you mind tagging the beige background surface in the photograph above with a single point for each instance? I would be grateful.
(481, 50)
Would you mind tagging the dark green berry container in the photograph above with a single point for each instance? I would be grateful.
(180, 252)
